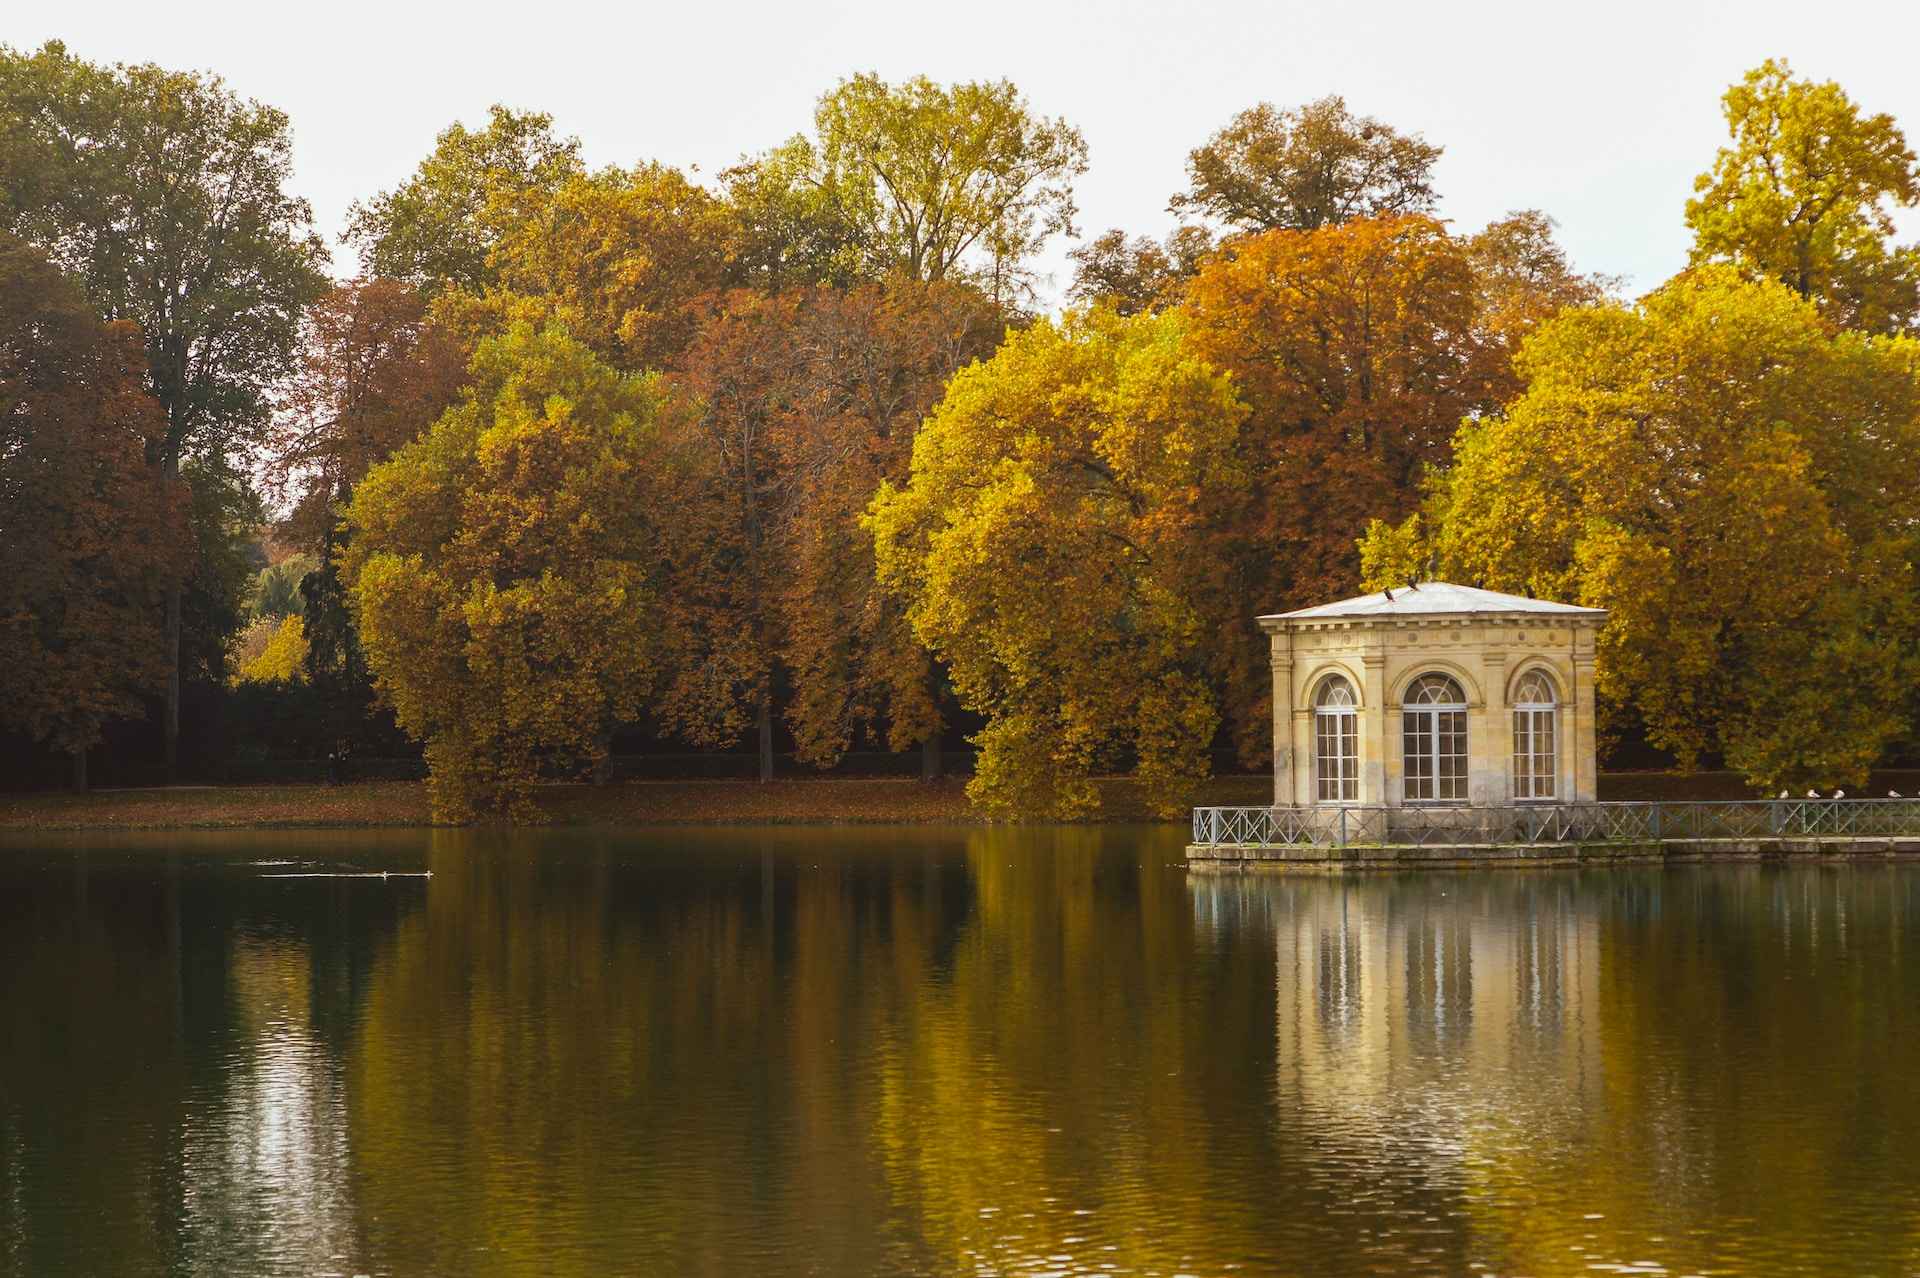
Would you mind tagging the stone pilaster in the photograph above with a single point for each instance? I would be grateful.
(1492, 757)
(1285, 784)
(1376, 723)
(1583, 737)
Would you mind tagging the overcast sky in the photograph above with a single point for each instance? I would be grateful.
(1600, 114)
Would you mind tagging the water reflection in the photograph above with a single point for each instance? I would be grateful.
(265, 1166)
(1641, 1071)
(715, 1052)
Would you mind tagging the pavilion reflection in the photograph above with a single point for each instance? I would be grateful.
(1406, 1008)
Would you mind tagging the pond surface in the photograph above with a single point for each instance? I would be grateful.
(942, 1052)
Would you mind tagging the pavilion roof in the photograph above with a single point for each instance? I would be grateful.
(1435, 598)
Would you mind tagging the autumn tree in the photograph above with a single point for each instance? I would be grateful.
(1524, 278)
(1137, 274)
(723, 546)
(165, 195)
(868, 364)
(280, 655)
(374, 371)
(1046, 545)
(439, 227)
(938, 182)
(90, 537)
(1358, 350)
(1319, 165)
(1805, 194)
(620, 257)
(798, 407)
(790, 230)
(503, 570)
(1735, 482)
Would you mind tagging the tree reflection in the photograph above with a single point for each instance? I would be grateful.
(714, 1052)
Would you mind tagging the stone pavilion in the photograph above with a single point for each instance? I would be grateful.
(1433, 695)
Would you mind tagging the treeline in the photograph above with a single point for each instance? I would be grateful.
(581, 454)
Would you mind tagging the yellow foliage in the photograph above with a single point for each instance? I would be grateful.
(501, 570)
(1046, 546)
(283, 659)
(1803, 196)
(1735, 483)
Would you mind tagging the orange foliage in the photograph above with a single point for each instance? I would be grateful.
(805, 402)
(91, 536)
(1357, 348)
(375, 373)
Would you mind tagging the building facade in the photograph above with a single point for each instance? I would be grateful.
(1434, 695)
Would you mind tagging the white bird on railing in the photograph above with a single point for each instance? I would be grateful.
(1839, 794)
(1894, 794)
(1783, 794)
(1813, 794)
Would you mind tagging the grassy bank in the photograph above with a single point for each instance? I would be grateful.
(403, 803)
(824, 800)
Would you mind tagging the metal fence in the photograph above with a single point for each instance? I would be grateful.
(1343, 826)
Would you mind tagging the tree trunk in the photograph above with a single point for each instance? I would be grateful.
(171, 720)
(80, 771)
(766, 737)
(930, 757)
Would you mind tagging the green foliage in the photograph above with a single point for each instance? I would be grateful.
(502, 570)
(276, 589)
(961, 182)
(225, 517)
(792, 230)
(1046, 545)
(1301, 170)
(1138, 274)
(1803, 194)
(165, 194)
(440, 226)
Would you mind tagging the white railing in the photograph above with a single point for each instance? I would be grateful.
(1346, 825)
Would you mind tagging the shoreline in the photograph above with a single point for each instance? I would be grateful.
(819, 800)
(374, 805)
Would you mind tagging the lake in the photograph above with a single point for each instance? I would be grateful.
(879, 1051)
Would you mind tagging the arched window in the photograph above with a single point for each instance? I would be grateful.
(1536, 737)
(1434, 737)
(1336, 742)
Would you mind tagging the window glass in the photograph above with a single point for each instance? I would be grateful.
(1536, 738)
(1336, 743)
(1434, 741)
